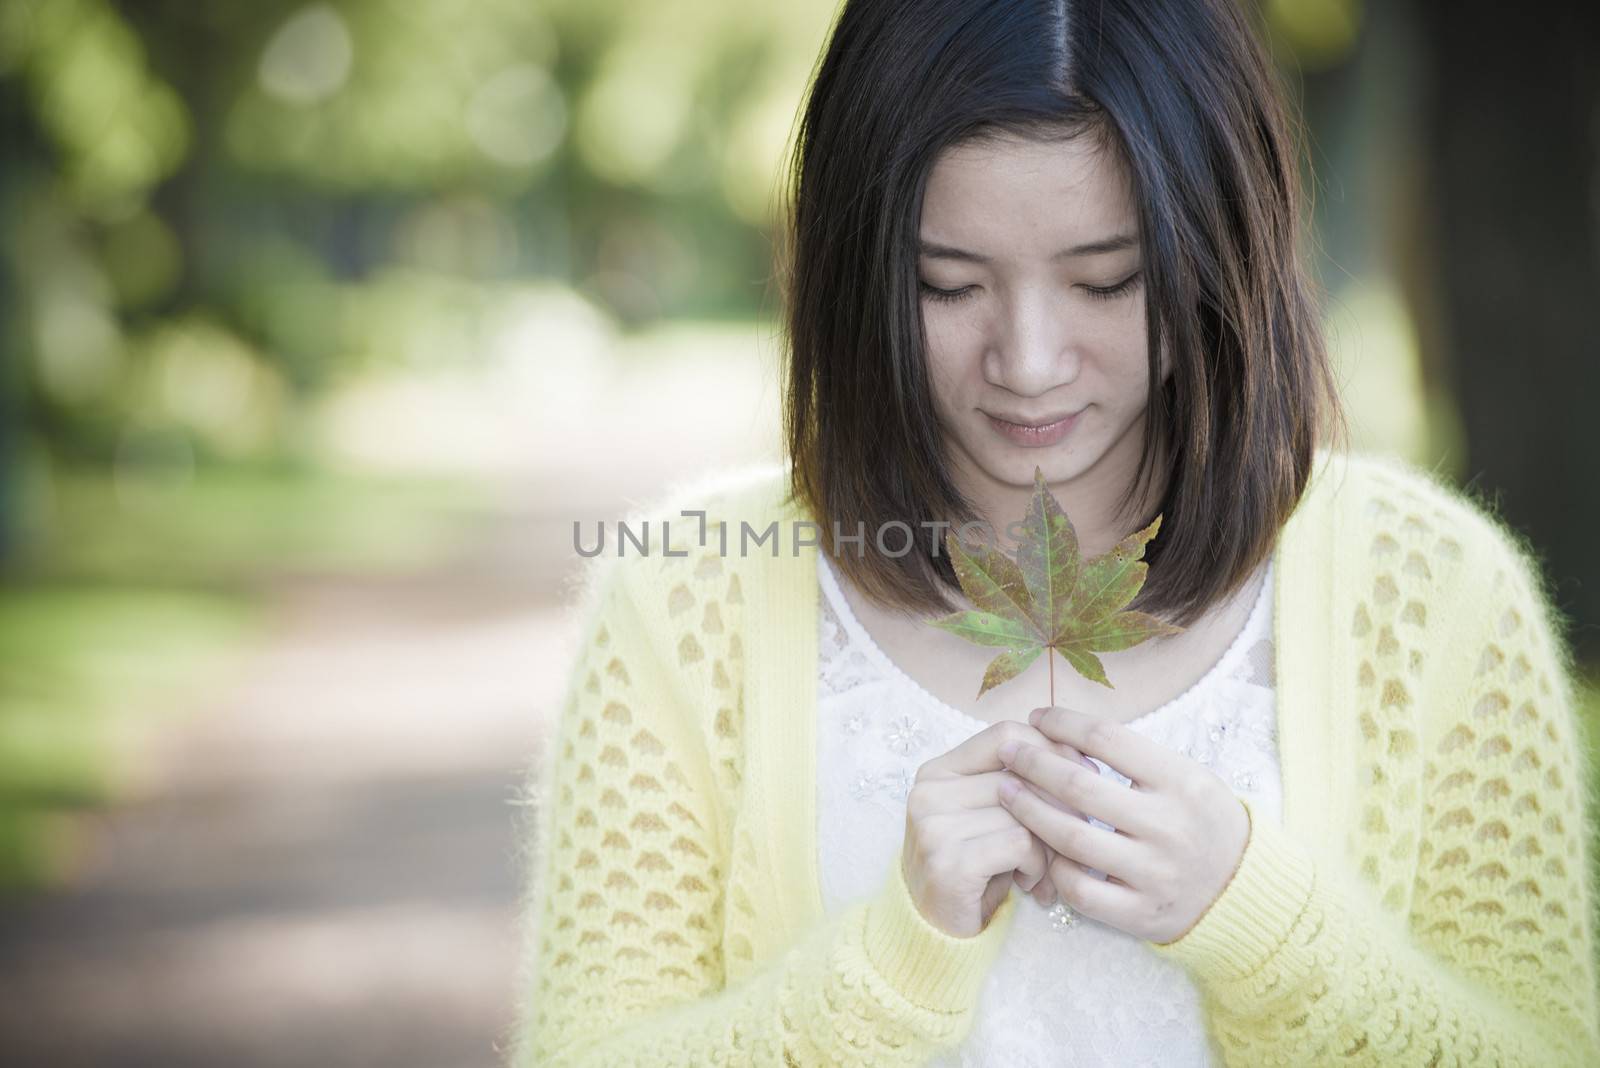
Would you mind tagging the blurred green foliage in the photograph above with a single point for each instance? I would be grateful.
(221, 196)
(211, 216)
(214, 216)
(214, 212)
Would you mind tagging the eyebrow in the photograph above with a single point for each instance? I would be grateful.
(1116, 243)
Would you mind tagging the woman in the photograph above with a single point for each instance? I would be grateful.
(1338, 818)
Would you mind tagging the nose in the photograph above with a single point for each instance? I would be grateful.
(1034, 349)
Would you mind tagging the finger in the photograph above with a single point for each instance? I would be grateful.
(970, 825)
(1078, 840)
(1045, 892)
(1149, 764)
(1072, 756)
(1042, 891)
(1070, 753)
(1086, 792)
(963, 793)
(1037, 866)
(1111, 903)
(998, 852)
(981, 752)
(966, 824)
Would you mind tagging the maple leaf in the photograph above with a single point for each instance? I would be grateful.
(1049, 598)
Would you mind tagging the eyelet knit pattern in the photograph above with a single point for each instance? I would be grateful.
(1427, 900)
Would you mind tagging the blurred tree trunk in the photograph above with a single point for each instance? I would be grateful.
(1513, 147)
(16, 142)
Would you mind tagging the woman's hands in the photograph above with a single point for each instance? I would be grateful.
(962, 850)
(1180, 831)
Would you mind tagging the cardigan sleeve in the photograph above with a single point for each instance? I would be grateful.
(622, 956)
(1495, 963)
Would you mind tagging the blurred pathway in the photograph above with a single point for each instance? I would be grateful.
(320, 868)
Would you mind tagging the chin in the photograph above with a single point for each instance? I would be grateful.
(1003, 463)
(1015, 467)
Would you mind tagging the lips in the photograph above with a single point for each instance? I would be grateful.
(1034, 436)
(1033, 423)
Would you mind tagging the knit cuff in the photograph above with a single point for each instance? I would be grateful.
(1256, 914)
(933, 969)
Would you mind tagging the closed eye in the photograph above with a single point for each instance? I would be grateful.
(1127, 285)
(949, 296)
(944, 295)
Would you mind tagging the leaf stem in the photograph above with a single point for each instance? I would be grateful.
(1050, 655)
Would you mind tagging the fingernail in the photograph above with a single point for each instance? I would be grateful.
(1008, 751)
(1008, 790)
(1033, 717)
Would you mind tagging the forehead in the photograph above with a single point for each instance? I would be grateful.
(1008, 195)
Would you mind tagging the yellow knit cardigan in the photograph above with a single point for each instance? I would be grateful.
(1427, 899)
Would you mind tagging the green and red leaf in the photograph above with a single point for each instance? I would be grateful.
(1049, 598)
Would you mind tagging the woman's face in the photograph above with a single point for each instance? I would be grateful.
(1033, 302)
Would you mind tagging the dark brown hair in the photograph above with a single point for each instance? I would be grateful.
(1183, 92)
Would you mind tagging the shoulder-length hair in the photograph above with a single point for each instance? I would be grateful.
(1183, 91)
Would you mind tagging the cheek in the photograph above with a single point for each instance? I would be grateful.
(1118, 351)
(945, 382)
(1128, 357)
(948, 360)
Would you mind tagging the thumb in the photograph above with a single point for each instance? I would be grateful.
(1035, 868)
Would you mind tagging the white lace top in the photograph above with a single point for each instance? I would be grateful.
(1066, 989)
